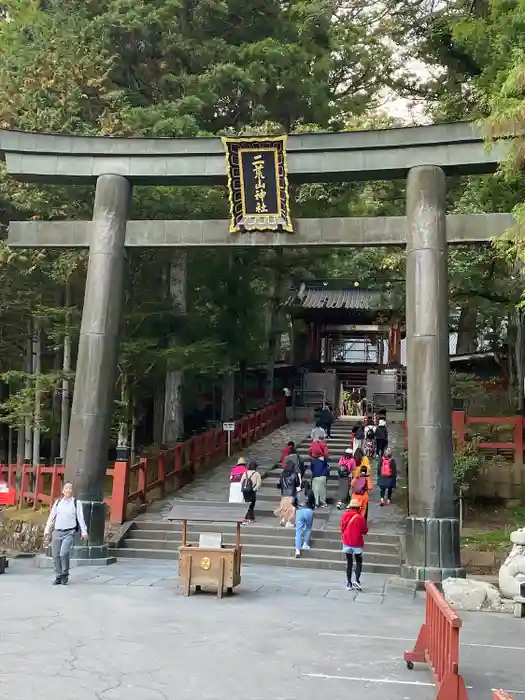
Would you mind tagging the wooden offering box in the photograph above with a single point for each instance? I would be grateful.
(216, 567)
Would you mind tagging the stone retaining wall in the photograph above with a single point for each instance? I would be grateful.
(20, 536)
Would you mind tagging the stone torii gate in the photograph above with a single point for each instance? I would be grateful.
(423, 155)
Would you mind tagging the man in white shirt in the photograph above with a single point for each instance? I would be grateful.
(318, 433)
(65, 520)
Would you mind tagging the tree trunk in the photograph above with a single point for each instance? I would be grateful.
(519, 350)
(123, 428)
(20, 445)
(158, 413)
(28, 433)
(243, 372)
(37, 360)
(228, 397)
(9, 446)
(66, 367)
(173, 405)
(467, 331)
(133, 445)
(278, 288)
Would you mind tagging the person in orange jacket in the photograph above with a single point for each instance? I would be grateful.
(353, 531)
(361, 460)
(361, 486)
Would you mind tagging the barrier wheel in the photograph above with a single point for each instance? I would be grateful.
(198, 589)
(410, 665)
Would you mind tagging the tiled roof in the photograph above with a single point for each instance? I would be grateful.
(358, 299)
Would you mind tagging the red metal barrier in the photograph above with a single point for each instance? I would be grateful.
(163, 472)
(438, 645)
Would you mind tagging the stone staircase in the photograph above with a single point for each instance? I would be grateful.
(264, 542)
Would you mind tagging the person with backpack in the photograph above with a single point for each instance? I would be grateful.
(353, 531)
(325, 420)
(288, 484)
(361, 460)
(65, 520)
(251, 482)
(304, 504)
(236, 474)
(290, 447)
(381, 438)
(361, 487)
(345, 470)
(386, 476)
(295, 457)
(370, 442)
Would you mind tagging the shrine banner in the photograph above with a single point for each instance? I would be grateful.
(258, 184)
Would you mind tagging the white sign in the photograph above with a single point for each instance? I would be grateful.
(210, 540)
(228, 427)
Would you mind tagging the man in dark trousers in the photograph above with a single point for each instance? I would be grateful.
(325, 419)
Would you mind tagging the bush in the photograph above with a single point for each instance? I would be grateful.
(467, 464)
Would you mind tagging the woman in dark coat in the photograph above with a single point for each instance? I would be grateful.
(386, 476)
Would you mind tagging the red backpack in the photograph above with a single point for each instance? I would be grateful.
(386, 467)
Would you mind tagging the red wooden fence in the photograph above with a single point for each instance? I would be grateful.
(164, 472)
(462, 425)
(438, 645)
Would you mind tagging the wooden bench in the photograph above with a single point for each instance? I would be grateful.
(519, 606)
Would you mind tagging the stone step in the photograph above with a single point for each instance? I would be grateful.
(272, 477)
(263, 530)
(282, 538)
(265, 508)
(304, 562)
(264, 549)
(270, 494)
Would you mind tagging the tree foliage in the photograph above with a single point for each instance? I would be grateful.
(187, 68)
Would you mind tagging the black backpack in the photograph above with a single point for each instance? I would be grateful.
(370, 434)
(248, 490)
(381, 433)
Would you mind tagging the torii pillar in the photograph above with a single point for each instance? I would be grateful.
(432, 536)
(89, 432)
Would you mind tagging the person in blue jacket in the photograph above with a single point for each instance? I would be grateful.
(320, 472)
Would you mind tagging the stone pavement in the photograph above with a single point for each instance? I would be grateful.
(126, 633)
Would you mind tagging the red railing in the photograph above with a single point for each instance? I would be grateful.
(462, 425)
(512, 425)
(438, 645)
(165, 472)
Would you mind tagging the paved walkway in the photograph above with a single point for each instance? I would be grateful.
(214, 485)
(126, 633)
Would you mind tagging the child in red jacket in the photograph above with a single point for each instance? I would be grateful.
(353, 531)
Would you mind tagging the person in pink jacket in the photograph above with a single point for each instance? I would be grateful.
(236, 474)
(344, 471)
